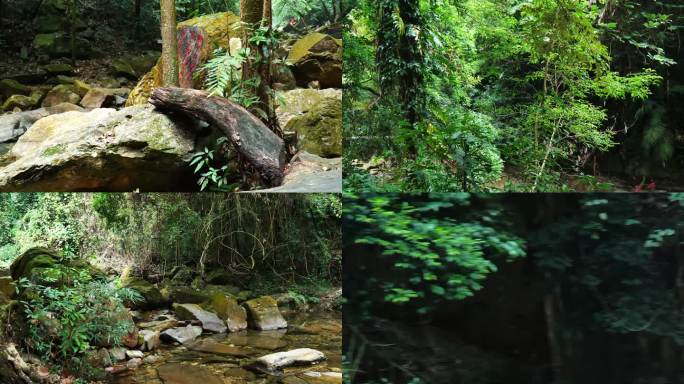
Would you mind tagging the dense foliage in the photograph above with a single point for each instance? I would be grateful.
(510, 94)
(295, 239)
(598, 274)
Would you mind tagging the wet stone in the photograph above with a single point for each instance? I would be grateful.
(213, 347)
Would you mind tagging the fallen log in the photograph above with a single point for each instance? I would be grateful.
(252, 139)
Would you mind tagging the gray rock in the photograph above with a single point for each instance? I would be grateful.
(134, 363)
(13, 125)
(309, 173)
(280, 360)
(104, 149)
(181, 335)
(118, 354)
(150, 340)
(210, 321)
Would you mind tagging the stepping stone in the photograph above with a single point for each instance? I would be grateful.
(279, 360)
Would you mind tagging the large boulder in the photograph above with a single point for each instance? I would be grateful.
(319, 131)
(298, 102)
(104, 149)
(152, 296)
(263, 314)
(206, 33)
(210, 322)
(13, 125)
(317, 57)
(31, 259)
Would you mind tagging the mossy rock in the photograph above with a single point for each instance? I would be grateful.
(181, 275)
(59, 69)
(121, 67)
(152, 296)
(22, 102)
(81, 88)
(63, 93)
(218, 28)
(263, 314)
(187, 295)
(319, 131)
(58, 44)
(9, 87)
(37, 257)
(228, 309)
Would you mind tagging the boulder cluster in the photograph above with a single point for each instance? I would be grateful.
(62, 133)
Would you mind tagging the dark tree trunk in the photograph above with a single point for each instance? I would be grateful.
(252, 139)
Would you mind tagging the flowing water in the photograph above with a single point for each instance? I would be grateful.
(219, 358)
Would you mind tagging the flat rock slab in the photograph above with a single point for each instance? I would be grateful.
(279, 360)
(311, 174)
(216, 348)
(210, 321)
(159, 325)
(263, 314)
(181, 335)
(187, 374)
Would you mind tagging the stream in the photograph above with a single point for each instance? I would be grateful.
(219, 358)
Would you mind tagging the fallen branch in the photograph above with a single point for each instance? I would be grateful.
(252, 139)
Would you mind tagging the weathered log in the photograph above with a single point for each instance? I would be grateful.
(252, 139)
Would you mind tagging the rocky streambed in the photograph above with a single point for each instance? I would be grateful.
(235, 357)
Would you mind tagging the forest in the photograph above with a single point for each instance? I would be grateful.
(514, 96)
(171, 95)
(513, 288)
(185, 288)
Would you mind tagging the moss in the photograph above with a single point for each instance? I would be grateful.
(33, 258)
(54, 150)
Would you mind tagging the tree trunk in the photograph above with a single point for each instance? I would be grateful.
(252, 139)
(169, 43)
(255, 14)
(555, 348)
